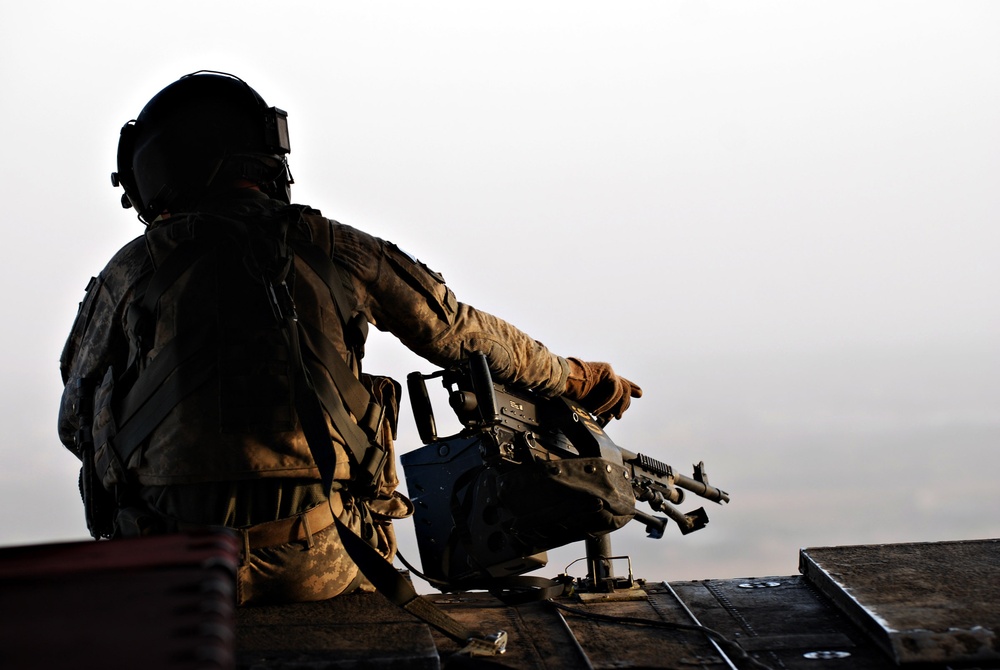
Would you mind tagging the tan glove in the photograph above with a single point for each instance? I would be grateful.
(599, 389)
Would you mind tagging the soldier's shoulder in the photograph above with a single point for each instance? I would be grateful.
(351, 241)
(128, 264)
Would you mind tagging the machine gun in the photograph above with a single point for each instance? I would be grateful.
(524, 475)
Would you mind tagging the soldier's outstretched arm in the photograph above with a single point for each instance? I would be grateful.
(406, 298)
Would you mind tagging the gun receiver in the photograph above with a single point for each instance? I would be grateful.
(524, 475)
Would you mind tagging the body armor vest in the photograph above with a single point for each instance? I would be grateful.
(237, 343)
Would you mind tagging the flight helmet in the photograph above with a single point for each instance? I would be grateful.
(200, 134)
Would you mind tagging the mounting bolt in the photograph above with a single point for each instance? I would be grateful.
(825, 655)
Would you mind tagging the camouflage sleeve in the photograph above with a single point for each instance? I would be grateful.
(97, 339)
(406, 298)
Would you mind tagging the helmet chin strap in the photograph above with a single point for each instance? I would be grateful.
(280, 186)
(270, 173)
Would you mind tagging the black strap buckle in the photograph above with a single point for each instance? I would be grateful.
(373, 464)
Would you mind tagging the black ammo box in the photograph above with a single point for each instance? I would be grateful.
(158, 602)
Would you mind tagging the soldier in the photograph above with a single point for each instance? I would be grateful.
(213, 375)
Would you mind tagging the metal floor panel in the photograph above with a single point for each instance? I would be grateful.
(544, 637)
(922, 603)
(360, 630)
(782, 622)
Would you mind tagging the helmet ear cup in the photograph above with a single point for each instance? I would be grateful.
(125, 176)
(275, 129)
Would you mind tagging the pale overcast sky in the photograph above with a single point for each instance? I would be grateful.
(776, 213)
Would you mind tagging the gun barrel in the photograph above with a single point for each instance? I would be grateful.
(701, 489)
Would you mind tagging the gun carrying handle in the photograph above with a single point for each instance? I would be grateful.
(423, 413)
(482, 385)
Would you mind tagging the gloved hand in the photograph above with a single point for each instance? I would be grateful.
(599, 389)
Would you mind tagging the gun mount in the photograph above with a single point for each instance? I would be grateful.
(526, 474)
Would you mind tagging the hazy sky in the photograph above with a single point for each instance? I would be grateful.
(774, 216)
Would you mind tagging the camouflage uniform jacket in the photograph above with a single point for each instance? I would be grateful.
(393, 292)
